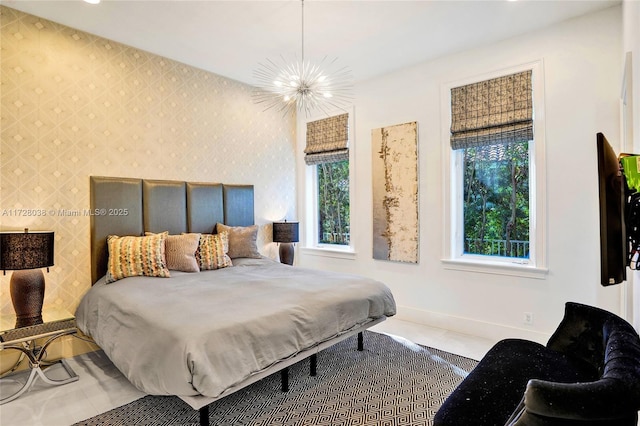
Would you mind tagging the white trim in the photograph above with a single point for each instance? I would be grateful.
(488, 330)
(483, 266)
(337, 252)
(627, 292)
(536, 265)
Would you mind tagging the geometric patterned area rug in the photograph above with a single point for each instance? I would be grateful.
(391, 382)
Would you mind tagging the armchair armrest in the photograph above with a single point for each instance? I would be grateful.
(600, 400)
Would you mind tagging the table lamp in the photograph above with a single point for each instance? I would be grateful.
(285, 233)
(25, 253)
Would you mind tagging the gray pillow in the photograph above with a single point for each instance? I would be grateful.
(242, 240)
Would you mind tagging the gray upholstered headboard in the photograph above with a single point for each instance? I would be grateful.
(126, 206)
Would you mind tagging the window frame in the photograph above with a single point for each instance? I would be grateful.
(311, 244)
(453, 170)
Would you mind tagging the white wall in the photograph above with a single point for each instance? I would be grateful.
(631, 43)
(582, 70)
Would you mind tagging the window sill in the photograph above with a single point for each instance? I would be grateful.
(497, 268)
(335, 252)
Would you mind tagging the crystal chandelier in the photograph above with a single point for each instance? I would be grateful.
(303, 85)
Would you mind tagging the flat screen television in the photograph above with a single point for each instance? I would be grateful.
(614, 256)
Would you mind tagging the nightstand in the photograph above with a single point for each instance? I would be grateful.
(56, 323)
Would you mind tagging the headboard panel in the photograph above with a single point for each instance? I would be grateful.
(126, 206)
(165, 206)
(204, 206)
(116, 206)
(238, 205)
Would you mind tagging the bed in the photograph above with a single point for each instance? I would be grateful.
(204, 334)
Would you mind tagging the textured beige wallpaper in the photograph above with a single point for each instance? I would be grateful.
(74, 105)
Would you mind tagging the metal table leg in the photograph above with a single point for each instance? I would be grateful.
(35, 359)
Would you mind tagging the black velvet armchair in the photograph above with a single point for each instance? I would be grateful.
(587, 374)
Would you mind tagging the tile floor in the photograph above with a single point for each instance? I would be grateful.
(102, 387)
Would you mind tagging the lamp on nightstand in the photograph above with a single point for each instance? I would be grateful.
(25, 253)
(285, 233)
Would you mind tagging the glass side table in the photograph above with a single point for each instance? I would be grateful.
(56, 323)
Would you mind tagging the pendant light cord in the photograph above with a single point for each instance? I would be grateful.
(302, 8)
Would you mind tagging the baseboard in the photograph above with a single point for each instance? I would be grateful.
(469, 326)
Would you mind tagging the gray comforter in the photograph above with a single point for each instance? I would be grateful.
(201, 333)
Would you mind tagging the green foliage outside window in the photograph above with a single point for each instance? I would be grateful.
(496, 200)
(333, 203)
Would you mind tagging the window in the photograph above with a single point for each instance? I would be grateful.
(327, 154)
(333, 203)
(495, 200)
(495, 156)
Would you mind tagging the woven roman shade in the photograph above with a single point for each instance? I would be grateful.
(327, 140)
(496, 111)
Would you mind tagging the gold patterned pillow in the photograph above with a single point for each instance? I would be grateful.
(212, 251)
(242, 240)
(131, 256)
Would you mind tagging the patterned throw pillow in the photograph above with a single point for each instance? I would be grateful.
(135, 256)
(180, 252)
(242, 240)
(212, 251)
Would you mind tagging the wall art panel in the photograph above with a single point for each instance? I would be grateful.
(395, 193)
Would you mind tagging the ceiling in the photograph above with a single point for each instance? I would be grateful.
(371, 38)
